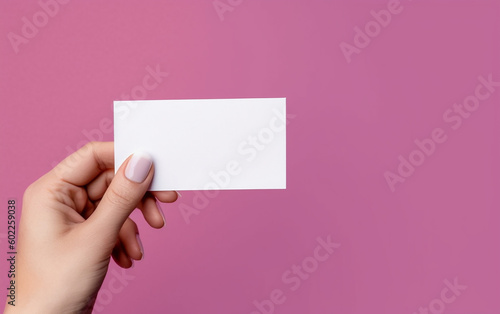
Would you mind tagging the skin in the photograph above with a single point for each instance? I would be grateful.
(74, 219)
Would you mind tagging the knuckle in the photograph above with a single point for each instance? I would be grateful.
(87, 149)
(118, 196)
(28, 192)
(91, 145)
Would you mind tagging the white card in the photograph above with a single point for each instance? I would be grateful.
(206, 144)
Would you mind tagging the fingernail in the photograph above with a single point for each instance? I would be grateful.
(161, 212)
(180, 195)
(140, 246)
(138, 167)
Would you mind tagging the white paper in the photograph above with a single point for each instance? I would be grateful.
(206, 144)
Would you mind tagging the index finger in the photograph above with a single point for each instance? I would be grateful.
(84, 165)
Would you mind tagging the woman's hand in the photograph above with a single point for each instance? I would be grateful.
(75, 218)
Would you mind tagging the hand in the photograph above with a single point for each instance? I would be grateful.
(75, 218)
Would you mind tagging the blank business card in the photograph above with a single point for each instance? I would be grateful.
(206, 144)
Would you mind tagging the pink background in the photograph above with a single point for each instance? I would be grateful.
(352, 121)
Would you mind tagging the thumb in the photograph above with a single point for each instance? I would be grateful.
(127, 188)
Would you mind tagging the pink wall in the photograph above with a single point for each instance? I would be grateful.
(352, 120)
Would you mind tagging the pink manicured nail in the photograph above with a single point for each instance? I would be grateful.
(138, 167)
(140, 246)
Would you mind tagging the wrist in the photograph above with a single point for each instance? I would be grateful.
(33, 306)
